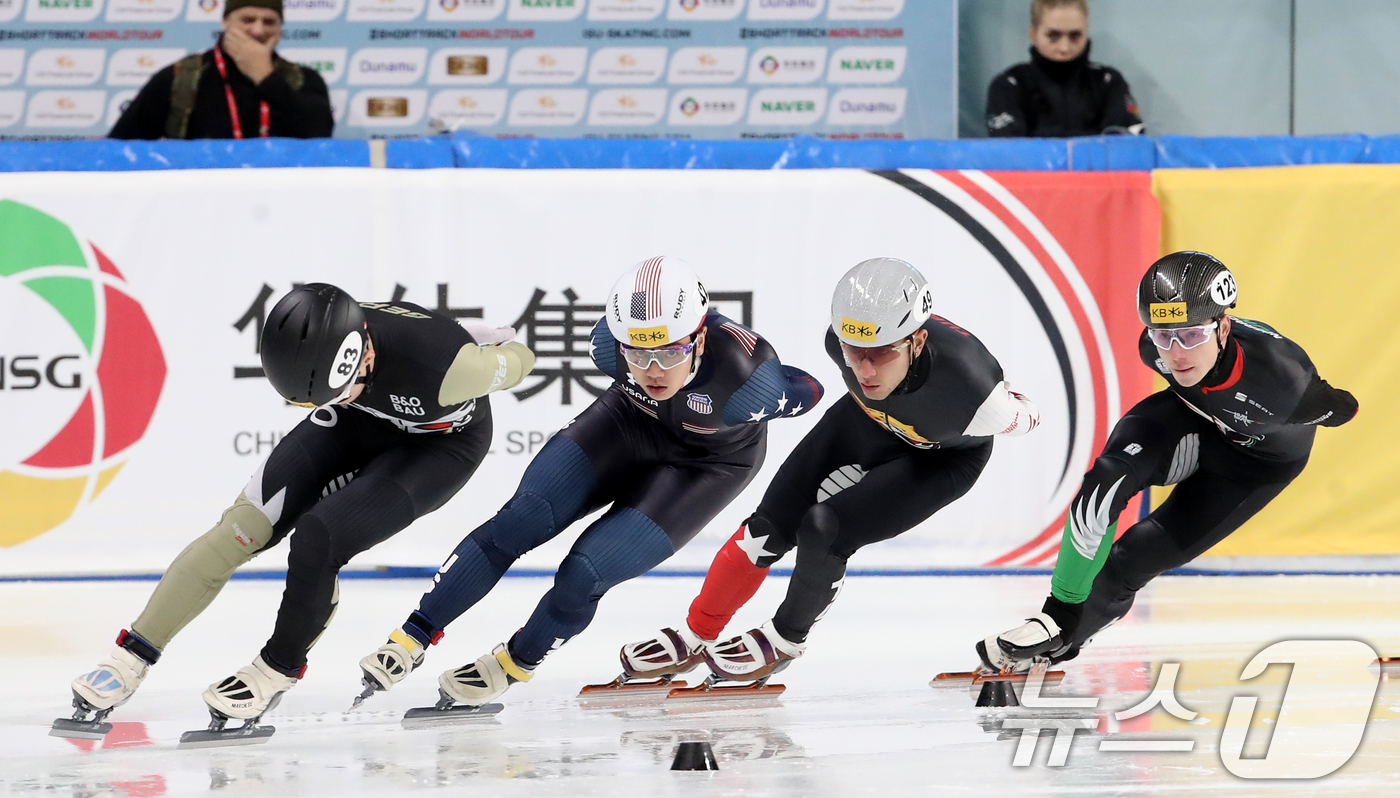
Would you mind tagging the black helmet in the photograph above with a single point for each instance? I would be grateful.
(1184, 289)
(313, 343)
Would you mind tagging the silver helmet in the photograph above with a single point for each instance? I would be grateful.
(879, 302)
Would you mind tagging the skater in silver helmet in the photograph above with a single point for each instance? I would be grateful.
(912, 434)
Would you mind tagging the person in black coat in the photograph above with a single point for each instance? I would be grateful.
(1060, 92)
(193, 98)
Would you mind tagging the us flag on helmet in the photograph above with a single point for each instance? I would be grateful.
(646, 296)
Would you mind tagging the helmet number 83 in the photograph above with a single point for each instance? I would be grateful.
(347, 361)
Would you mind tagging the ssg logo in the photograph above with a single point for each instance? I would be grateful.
(83, 372)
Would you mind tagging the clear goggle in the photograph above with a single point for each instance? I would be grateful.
(667, 357)
(875, 355)
(1187, 337)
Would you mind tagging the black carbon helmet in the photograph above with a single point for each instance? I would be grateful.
(313, 343)
(1184, 289)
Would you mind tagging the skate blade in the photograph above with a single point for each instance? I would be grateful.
(245, 735)
(724, 692)
(618, 688)
(432, 717)
(79, 730)
(976, 678)
(627, 696)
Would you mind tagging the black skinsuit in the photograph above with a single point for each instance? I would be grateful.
(1052, 99)
(873, 469)
(1230, 444)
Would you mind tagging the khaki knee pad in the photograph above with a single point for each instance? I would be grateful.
(201, 571)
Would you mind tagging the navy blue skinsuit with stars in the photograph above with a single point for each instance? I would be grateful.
(664, 470)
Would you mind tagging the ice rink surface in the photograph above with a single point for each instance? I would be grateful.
(858, 716)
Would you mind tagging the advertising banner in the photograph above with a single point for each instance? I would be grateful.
(134, 410)
(705, 69)
(1313, 249)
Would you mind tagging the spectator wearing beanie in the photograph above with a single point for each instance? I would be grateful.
(1060, 92)
(194, 97)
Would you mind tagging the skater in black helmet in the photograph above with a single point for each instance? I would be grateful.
(679, 434)
(911, 435)
(401, 421)
(1233, 428)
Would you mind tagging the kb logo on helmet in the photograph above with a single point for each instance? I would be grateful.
(1164, 312)
(646, 336)
(858, 330)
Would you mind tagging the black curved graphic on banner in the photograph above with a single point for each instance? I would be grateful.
(1018, 276)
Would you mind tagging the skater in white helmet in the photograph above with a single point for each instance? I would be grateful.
(676, 437)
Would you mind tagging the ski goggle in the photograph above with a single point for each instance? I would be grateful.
(667, 357)
(875, 355)
(1187, 337)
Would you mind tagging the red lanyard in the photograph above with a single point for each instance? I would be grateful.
(264, 113)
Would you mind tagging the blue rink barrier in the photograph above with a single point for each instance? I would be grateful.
(426, 572)
(466, 151)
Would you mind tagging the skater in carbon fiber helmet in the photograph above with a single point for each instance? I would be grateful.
(1233, 428)
(676, 437)
(401, 421)
(913, 432)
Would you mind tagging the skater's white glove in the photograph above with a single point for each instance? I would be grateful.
(485, 336)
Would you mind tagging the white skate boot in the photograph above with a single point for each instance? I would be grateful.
(389, 665)
(479, 682)
(670, 653)
(652, 666)
(98, 692)
(113, 681)
(753, 656)
(1015, 650)
(465, 692)
(247, 695)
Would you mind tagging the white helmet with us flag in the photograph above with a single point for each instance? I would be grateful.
(879, 302)
(656, 302)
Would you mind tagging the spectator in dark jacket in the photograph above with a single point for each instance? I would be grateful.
(1060, 92)
(194, 97)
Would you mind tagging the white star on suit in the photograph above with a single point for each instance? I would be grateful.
(782, 404)
(760, 415)
(753, 546)
(796, 410)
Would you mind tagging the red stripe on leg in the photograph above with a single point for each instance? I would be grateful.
(730, 583)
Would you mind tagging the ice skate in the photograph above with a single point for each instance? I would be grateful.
(388, 666)
(1014, 650)
(465, 692)
(652, 665)
(1015, 655)
(751, 659)
(247, 696)
(98, 692)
